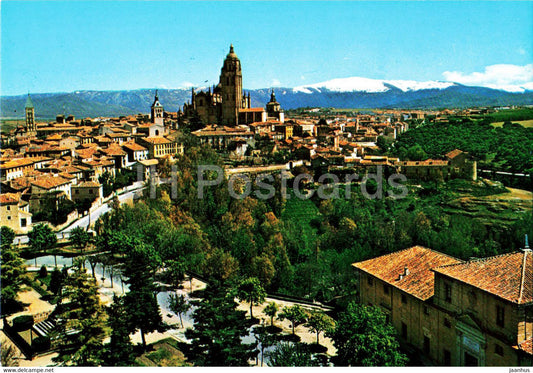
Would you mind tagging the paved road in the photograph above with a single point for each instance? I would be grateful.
(84, 220)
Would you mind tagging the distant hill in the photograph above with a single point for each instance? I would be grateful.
(337, 93)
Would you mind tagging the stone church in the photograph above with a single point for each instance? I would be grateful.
(226, 103)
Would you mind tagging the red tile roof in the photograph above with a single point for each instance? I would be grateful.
(428, 162)
(49, 182)
(454, 153)
(133, 146)
(252, 110)
(418, 260)
(9, 198)
(508, 276)
(527, 346)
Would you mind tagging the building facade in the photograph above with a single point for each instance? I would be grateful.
(455, 313)
(14, 213)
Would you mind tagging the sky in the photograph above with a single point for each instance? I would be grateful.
(58, 46)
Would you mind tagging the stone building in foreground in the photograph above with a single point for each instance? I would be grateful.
(455, 313)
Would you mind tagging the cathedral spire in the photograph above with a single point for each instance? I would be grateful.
(231, 48)
(272, 96)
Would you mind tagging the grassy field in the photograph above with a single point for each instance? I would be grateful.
(524, 123)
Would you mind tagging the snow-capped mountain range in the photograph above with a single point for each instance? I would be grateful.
(358, 84)
(354, 92)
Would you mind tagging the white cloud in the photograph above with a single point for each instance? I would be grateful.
(302, 77)
(521, 51)
(275, 83)
(507, 77)
(187, 85)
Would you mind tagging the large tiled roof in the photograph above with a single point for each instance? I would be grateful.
(133, 146)
(508, 276)
(49, 182)
(418, 260)
(22, 162)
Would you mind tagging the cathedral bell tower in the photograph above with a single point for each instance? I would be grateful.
(231, 87)
(30, 115)
(157, 111)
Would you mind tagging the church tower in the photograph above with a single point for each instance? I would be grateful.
(30, 115)
(157, 111)
(231, 87)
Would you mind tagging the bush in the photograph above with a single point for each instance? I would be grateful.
(41, 343)
(43, 272)
(23, 322)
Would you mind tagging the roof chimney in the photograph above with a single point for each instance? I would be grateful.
(405, 271)
(526, 247)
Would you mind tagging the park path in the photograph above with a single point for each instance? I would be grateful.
(106, 292)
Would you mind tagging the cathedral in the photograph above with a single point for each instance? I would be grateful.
(226, 103)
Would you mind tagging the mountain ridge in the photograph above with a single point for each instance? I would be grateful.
(342, 93)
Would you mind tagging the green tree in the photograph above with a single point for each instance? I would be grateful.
(287, 354)
(320, 322)
(251, 291)
(175, 273)
(79, 238)
(56, 281)
(264, 338)
(7, 235)
(271, 309)
(362, 337)
(216, 339)
(12, 275)
(9, 355)
(41, 239)
(119, 350)
(141, 263)
(81, 321)
(179, 305)
(295, 314)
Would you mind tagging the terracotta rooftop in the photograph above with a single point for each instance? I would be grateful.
(88, 184)
(428, 162)
(454, 153)
(22, 162)
(9, 198)
(113, 151)
(419, 262)
(157, 140)
(133, 146)
(508, 276)
(49, 182)
(527, 346)
(252, 110)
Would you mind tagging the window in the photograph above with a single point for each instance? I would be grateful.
(447, 323)
(369, 281)
(447, 358)
(385, 289)
(404, 299)
(500, 316)
(426, 345)
(23, 222)
(426, 310)
(9, 217)
(448, 293)
(8, 208)
(404, 331)
(498, 350)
